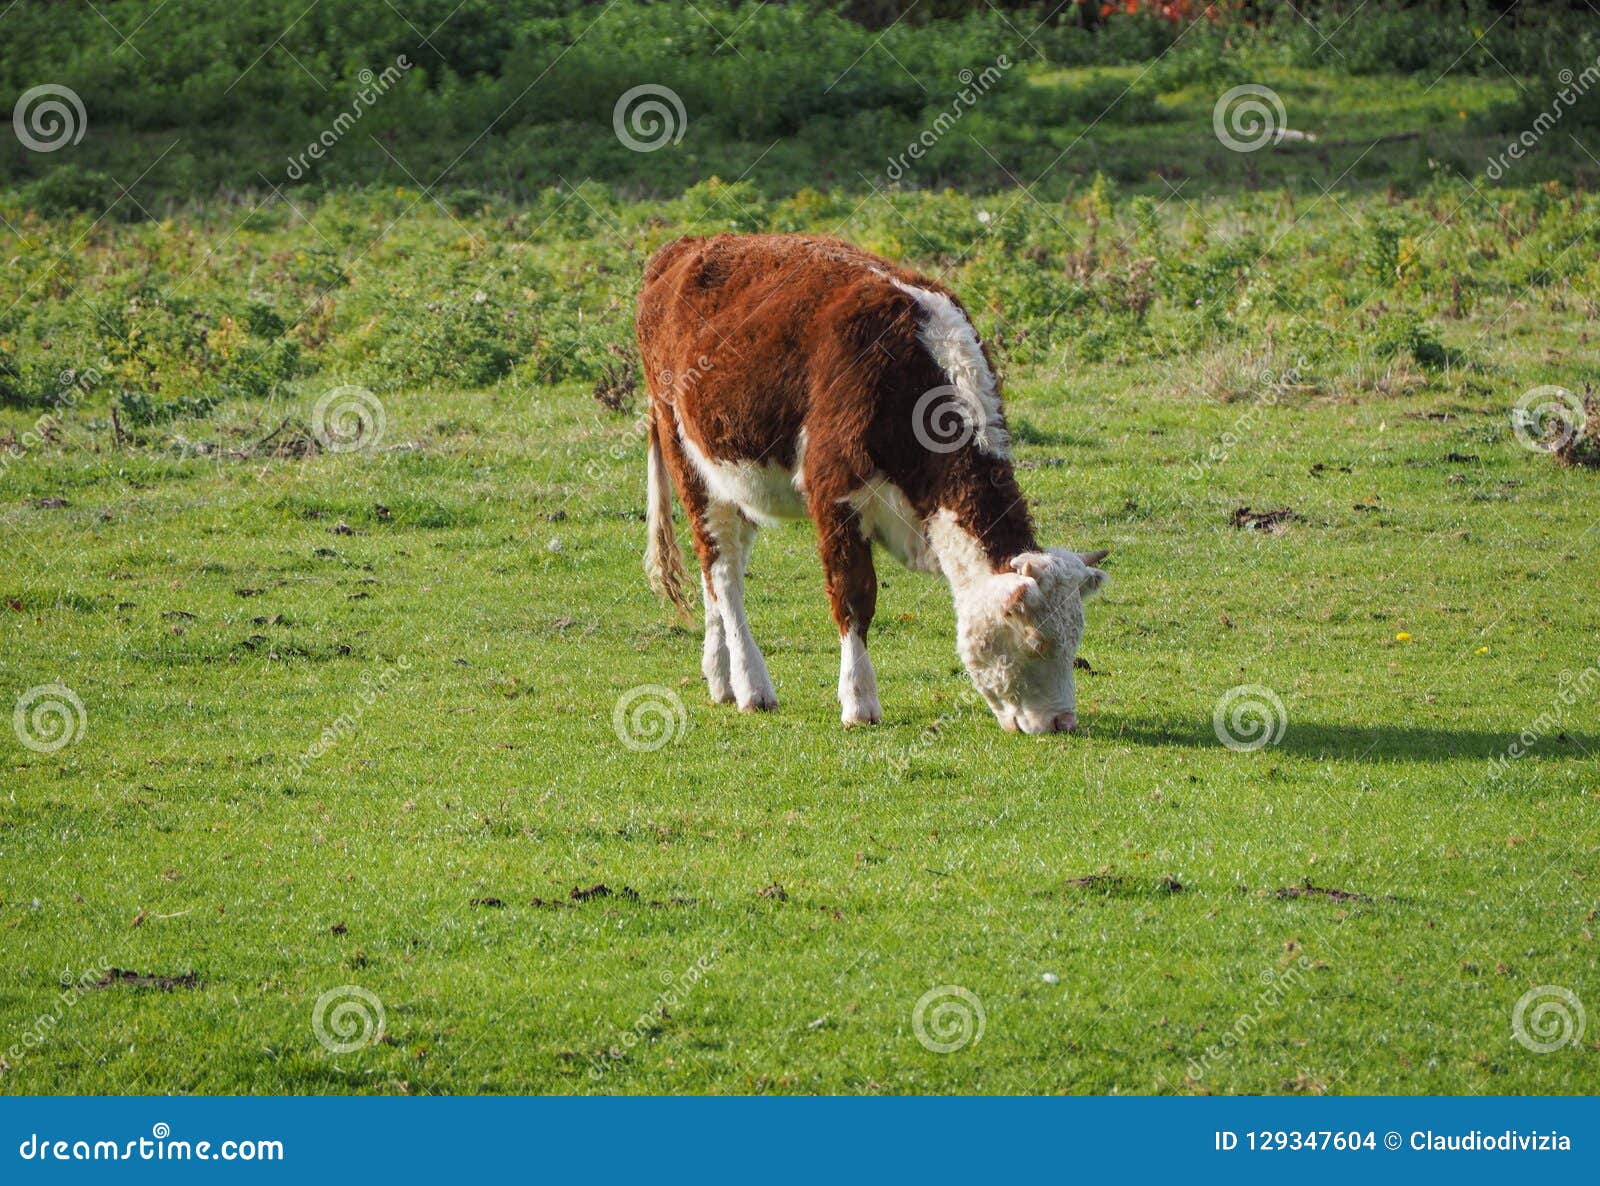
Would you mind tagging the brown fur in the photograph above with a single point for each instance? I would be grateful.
(747, 339)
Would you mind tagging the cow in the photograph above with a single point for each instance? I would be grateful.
(792, 376)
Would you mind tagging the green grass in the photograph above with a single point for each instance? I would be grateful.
(462, 607)
(490, 768)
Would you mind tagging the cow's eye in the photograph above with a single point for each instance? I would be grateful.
(1038, 644)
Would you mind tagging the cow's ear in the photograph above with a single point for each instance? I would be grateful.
(1095, 580)
(1012, 605)
(1029, 564)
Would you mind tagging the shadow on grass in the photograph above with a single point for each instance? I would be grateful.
(1363, 743)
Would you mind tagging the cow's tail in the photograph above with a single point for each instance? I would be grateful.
(663, 562)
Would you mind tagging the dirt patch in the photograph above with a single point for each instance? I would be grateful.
(1582, 447)
(1273, 521)
(773, 893)
(290, 439)
(121, 976)
(602, 891)
(1454, 458)
(1079, 663)
(614, 390)
(487, 903)
(1306, 890)
(50, 504)
(1115, 885)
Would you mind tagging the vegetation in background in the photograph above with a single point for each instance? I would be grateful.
(349, 718)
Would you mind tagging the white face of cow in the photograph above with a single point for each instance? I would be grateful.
(1019, 633)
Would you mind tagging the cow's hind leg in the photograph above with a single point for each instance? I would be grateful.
(698, 506)
(732, 535)
(714, 655)
(853, 595)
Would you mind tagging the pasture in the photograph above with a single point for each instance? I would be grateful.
(379, 769)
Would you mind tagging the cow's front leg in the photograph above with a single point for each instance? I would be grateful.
(853, 597)
(747, 670)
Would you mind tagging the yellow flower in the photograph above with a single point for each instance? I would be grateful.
(1483, 650)
(1402, 637)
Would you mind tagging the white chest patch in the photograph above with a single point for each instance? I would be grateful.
(765, 491)
(887, 517)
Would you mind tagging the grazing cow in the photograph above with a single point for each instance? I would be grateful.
(792, 376)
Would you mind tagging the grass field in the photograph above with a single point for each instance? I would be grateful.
(348, 745)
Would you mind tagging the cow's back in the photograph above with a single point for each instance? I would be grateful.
(753, 338)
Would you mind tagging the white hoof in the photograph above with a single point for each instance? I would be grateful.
(762, 701)
(863, 714)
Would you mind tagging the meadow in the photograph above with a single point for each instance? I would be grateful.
(351, 752)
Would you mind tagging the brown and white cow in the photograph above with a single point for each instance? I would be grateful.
(792, 376)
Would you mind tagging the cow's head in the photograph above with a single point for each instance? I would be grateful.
(1018, 636)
